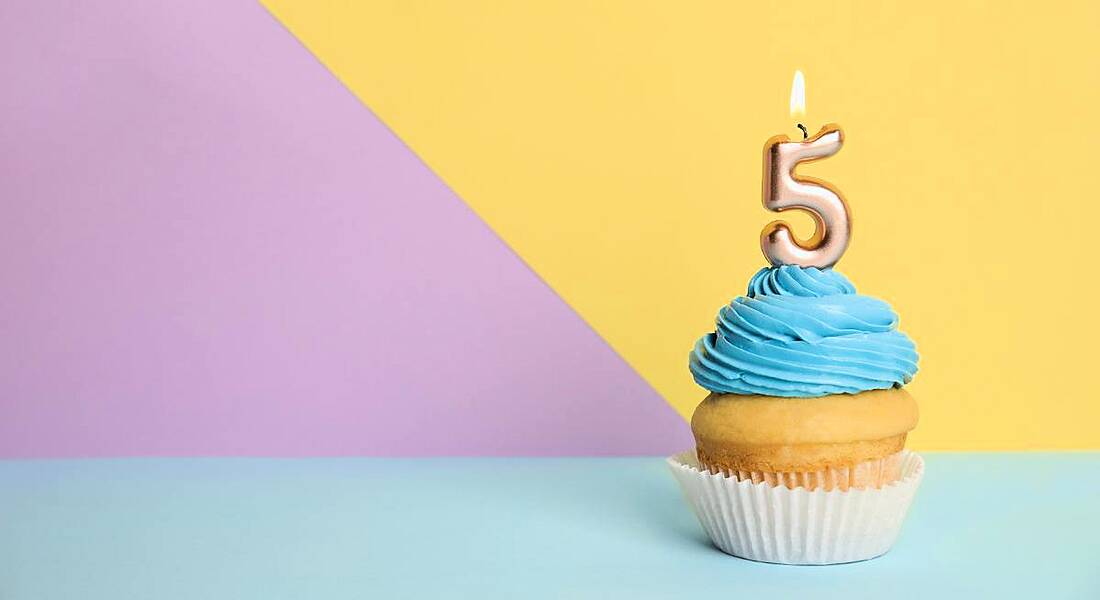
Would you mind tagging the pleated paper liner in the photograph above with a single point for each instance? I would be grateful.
(774, 523)
(867, 474)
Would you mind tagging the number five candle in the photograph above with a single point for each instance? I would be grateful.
(783, 190)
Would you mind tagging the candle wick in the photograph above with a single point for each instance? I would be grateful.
(805, 134)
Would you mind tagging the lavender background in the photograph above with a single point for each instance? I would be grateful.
(208, 246)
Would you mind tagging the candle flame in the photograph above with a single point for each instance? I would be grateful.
(798, 95)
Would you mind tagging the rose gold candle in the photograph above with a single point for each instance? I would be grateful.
(783, 190)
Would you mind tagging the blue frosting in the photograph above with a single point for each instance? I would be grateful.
(803, 332)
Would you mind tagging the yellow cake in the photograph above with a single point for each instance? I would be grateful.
(836, 441)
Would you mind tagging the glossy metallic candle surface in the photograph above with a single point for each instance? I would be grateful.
(783, 190)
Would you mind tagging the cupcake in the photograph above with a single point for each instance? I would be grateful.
(800, 446)
(805, 379)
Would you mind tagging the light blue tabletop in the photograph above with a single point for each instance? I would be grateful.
(983, 525)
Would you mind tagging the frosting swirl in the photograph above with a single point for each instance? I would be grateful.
(803, 332)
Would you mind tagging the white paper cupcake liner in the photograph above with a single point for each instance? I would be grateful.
(795, 526)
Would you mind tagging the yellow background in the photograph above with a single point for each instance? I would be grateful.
(616, 146)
